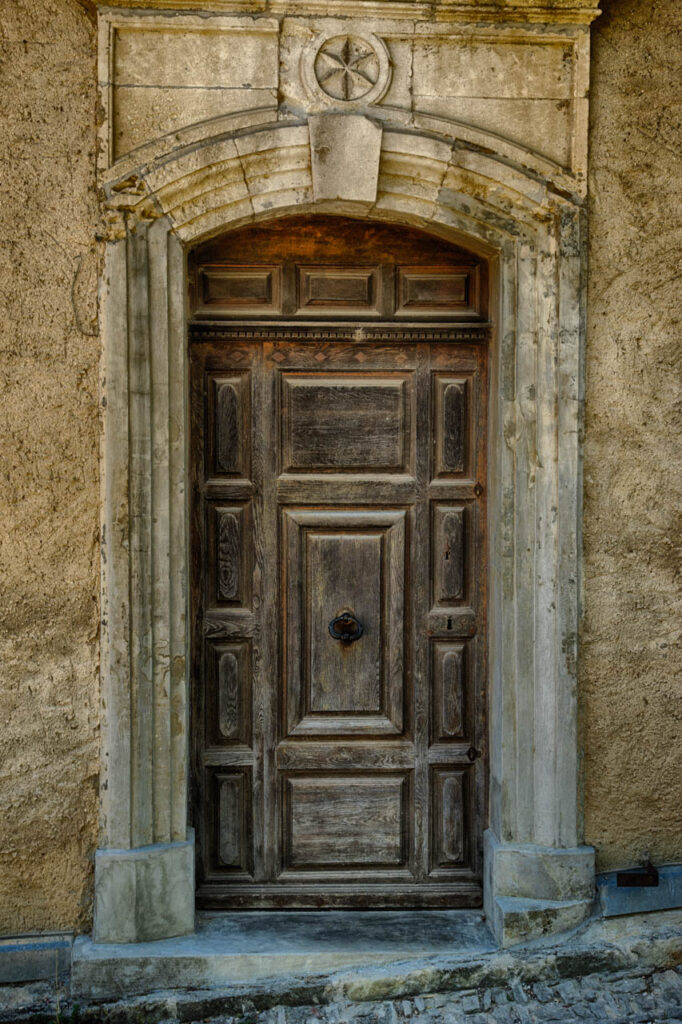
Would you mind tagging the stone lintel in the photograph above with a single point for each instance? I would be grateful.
(526, 11)
(145, 893)
(533, 890)
(344, 151)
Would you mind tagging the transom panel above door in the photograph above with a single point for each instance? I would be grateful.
(339, 570)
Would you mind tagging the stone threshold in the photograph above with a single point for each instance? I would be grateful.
(246, 947)
(638, 942)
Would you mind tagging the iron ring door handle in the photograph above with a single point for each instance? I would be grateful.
(346, 628)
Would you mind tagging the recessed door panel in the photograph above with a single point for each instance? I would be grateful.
(448, 819)
(344, 563)
(451, 425)
(345, 424)
(229, 435)
(229, 541)
(228, 693)
(448, 691)
(449, 554)
(343, 822)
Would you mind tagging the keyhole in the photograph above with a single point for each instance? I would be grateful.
(449, 623)
(447, 554)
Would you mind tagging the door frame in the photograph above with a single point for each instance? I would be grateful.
(537, 876)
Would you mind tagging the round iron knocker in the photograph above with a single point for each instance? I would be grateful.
(346, 628)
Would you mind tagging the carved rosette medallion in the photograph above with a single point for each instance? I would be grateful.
(346, 68)
(352, 69)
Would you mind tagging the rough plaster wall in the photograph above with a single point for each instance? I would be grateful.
(631, 658)
(48, 465)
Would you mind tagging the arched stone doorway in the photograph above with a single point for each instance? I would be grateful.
(537, 877)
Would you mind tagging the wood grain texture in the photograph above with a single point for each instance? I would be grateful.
(344, 560)
(345, 424)
(442, 290)
(242, 290)
(448, 678)
(344, 821)
(334, 471)
(449, 554)
(452, 428)
(229, 440)
(228, 693)
(333, 266)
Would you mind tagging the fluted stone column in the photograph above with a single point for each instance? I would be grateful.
(144, 869)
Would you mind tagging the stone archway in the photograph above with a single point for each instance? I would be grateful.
(538, 878)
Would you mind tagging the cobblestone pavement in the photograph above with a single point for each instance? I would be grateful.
(647, 998)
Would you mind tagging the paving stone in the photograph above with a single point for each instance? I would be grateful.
(470, 1002)
(518, 992)
(637, 984)
(569, 990)
(543, 992)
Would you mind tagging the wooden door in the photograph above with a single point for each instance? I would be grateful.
(338, 578)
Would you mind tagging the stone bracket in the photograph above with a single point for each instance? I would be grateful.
(533, 890)
(344, 153)
(146, 893)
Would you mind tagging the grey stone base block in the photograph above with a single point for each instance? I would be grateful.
(34, 957)
(515, 919)
(145, 893)
(533, 890)
(667, 895)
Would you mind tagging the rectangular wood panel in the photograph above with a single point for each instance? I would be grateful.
(344, 560)
(435, 290)
(229, 426)
(448, 554)
(228, 693)
(448, 824)
(337, 822)
(338, 288)
(451, 426)
(231, 821)
(344, 574)
(238, 290)
(230, 546)
(345, 423)
(448, 682)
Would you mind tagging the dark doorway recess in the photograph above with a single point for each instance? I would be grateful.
(338, 432)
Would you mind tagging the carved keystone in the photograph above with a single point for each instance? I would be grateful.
(344, 152)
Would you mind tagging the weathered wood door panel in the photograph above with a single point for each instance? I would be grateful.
(339, 604)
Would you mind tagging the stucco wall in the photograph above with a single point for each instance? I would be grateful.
(631, 662)
(49, 443)
(48, 466)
